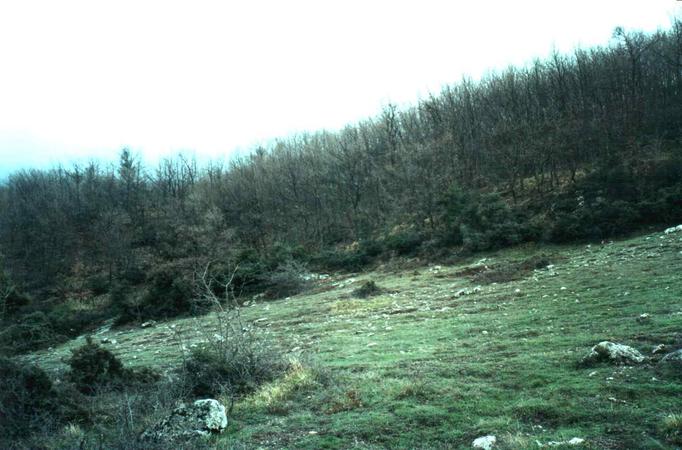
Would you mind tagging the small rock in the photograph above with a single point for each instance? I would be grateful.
(574, 441)
(484, 442)
(643, 317)
(660, 348)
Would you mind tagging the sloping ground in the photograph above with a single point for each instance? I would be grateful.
(434, 363)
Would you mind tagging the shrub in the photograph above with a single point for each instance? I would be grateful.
(68, 319)
(14, 301)
(371, 248)
(29, 401)
(340, 259)
(483, 221)
(368, 289)
(31, 332)
(98, 284)
(232, 369)
(93, 367)
(287, 280)
(11, 299)
(133, 275)
(405, 242)
(236, 360)
(169, 293)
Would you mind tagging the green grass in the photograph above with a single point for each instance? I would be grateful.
(418, 367)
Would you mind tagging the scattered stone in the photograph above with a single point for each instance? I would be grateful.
(574, 441)
(148, 324)
(592, 374)
(484, 442)
(643, 317)
(660, 348)
(201, 419)
(461, 292)
(614, 353)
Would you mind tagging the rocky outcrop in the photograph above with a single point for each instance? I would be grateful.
(200, 419)
(613, 353)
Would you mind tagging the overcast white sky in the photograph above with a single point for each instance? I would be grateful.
(82, 79)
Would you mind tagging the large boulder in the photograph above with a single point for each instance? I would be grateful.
(613, 353)
(200, 419)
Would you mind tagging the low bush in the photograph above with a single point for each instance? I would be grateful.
(29, 332)
(617, 199)
(169, 293)
(235, 360)
(371, 248)
(288, 279)
(232, 368)
(404, 242)
(12, 300)
(483, 221)
(93, 367)
(341, 260)
(29, 401)
(70, 320)
(368, 289)
(98, 284)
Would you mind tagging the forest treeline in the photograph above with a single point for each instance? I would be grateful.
(584, 145)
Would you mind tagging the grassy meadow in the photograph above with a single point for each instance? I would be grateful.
(447, 353)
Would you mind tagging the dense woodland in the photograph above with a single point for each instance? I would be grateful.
(586, 145)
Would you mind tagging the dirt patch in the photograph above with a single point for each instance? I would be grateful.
(512, 271)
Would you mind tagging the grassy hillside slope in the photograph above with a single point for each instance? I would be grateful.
(424, 365)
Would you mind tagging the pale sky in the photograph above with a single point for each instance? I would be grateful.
(83, 79)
